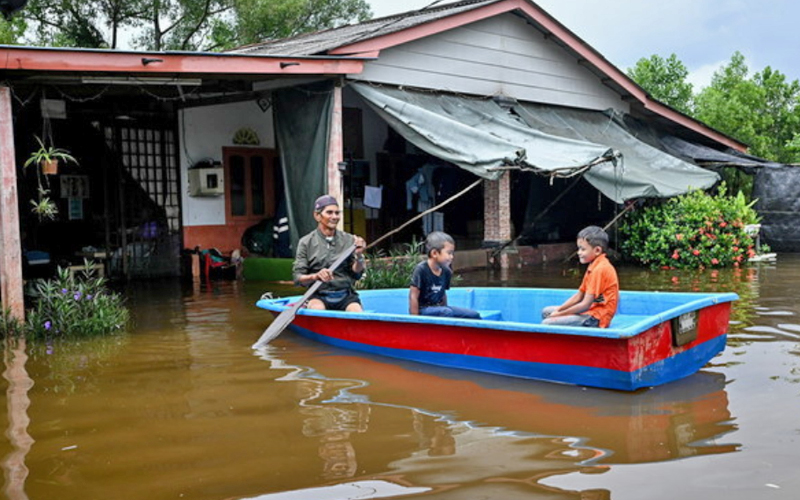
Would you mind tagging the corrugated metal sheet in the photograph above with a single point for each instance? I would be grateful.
(322, 41)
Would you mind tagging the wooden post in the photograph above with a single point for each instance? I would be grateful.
(10, 247)
(336, 150)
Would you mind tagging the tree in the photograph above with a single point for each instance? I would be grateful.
(258, 20)
(665, 80)
(182, 24)
(762, 111)
(11, 30)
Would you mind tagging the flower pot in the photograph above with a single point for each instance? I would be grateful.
(49, 167)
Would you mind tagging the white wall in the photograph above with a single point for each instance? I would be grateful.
(375, 130)
(203, 132)
(502, 55)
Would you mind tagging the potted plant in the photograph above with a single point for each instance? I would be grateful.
(44, 208)
(48, 157)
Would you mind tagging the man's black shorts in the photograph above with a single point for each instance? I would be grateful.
(337, 300)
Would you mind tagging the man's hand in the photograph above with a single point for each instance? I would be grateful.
(324, 275)
(360, 245)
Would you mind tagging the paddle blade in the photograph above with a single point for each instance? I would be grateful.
(275, 328)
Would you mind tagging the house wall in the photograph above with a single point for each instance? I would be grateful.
(502, 55)
(374, 129)
(204, 131)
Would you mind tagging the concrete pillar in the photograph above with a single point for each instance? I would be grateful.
(10, 247)
(497, 211)
(336, 150)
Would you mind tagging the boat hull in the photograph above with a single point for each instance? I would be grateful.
(617, 358)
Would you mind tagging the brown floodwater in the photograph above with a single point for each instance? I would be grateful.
(181, 407)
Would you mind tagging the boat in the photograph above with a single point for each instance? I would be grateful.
(655, 337)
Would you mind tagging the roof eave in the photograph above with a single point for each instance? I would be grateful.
(20, 58)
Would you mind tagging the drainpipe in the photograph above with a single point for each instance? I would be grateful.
(10, 253)
(336, 150)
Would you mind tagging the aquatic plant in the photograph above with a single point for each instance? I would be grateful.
(71, 305)
(693, 231)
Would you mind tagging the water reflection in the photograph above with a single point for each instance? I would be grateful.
(503, 428)
(17, 401)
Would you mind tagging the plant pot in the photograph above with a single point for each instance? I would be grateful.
(49, 167)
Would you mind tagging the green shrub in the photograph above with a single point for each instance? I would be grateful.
(693, 231)
(73, 307)
(9, 325)
(392, 269)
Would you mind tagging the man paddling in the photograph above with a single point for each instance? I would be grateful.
(316, 252)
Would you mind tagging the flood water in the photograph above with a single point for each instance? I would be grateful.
(181, 407)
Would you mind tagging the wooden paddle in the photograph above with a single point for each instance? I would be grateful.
(287, 315)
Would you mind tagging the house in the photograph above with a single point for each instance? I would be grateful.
(183, 150)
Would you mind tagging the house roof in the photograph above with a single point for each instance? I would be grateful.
(369, 38)
(321, 42)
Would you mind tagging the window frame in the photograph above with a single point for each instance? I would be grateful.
(269, 157)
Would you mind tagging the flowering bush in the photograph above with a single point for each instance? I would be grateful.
(67, 306)
(696, 230)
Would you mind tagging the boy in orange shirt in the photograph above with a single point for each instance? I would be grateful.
(595, 303)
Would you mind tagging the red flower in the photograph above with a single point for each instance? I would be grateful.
(696, 252)
(735, 249)
(714, 261)
(675, 255)
(723, 224)
(679, 237)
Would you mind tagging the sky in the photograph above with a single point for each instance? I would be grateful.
(703, 34)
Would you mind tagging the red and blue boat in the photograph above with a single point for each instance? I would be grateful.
(655, 337)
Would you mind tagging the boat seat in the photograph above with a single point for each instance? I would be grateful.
(491, 315)
(625, 320)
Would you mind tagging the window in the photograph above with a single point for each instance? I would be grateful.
(250, 181)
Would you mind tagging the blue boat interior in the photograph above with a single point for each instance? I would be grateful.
(520, 309)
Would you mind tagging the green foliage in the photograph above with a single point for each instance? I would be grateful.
(11, 31)
(75, 307)
(182, 24)
(9, 325)
(664, 79)
(48, 153)
(44, 207)
(693, 231)
(762, 111)
(259, 20)
(392, 270)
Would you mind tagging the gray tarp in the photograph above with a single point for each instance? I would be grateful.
(646, 172)
(302, 121)
(779, 206)
(697, 153)
(479, 135)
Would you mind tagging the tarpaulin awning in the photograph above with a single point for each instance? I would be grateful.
(646, 172)
(682, 148)
(479, 135)
(475, 134)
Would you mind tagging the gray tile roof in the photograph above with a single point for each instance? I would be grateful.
(320, 42)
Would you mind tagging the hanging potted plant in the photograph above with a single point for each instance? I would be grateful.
(48, 158)
(44, 207)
